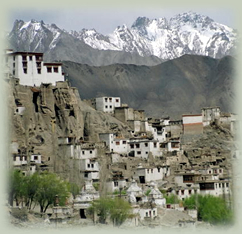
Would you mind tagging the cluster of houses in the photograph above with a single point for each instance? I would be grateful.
(154, 157)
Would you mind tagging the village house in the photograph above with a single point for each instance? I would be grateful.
(30, 69)
(139, 147)
(107, 104)
(192, 124)
(148, 174)
(89, 169)
(116, 185)
(210, 115)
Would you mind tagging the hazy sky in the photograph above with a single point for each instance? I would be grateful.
(106, 19)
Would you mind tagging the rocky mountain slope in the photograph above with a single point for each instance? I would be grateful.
(182, 85)
(147, 42)
(52, 112)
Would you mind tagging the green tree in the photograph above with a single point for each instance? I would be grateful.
(49, 187)
(30, 186)
(101, 207)
(210, 208)
(15, 187)
(120, 211)
(74, 189)
(117, 209)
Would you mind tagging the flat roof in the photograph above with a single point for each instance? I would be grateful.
(52, 64)
(26, 53)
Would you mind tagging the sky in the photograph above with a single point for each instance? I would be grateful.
(106, 19)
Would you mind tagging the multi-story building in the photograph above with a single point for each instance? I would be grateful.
(30, 69)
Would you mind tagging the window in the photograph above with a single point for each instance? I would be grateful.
(227, 185)
(38, 64)
(30, 57)
(25, 70)
(137, 145)
(106, 99)
(158, 169)
(146, 152)
(117, 143)
(24, 64)
(38, 57)
(177, 192)
(90, 151)
(106, 107)
(182, 192)
(190, 191)
(92, 165)
(110, 107)
(151, 170)
(24, 57)
(88, 165)
(35, 157)
(83, 152)
(56, 69)
(115, 183)
(147, 170)
(146, 144)
(131, 146)
(124, 142)
(146, 214)
(155, 144)
(117, 100)
(110, 99)
(138, 152)
(153, 212)
(49, 69)
(85, 174)
(39, 71)
(13, 64)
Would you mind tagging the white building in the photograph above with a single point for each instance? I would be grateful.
(148, 174)
(108, 138)
(89, 168)
(31, 70)
(210, 114)
(107, 104)
(115, 185)
(145, 212)
(36, 158)
(120, 145)
(140, 148)
(214, 187)
(19, 160)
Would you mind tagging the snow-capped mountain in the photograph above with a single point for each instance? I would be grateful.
(187, 33)
(160, 39)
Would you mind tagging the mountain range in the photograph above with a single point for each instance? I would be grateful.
(146, 42)
(179, 86)
(166, 67)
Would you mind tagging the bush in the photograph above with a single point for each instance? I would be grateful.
(210, 209)
(117, 209)
(172, 199)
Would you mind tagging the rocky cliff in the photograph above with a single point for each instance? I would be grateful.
(39, 116)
